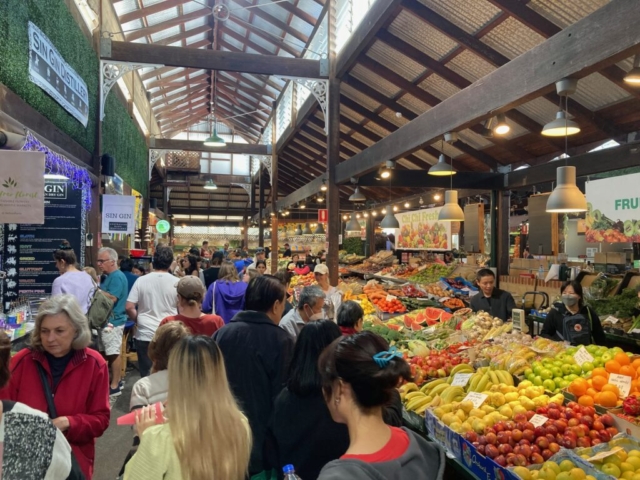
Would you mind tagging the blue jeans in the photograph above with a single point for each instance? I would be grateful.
(144, 362)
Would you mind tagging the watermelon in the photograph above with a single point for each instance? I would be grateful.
(395, 327)
(408, 321)
(421, 318)
(433, 314)
(416, 327)
(445, 316)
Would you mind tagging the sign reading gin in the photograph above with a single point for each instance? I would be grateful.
(118, 214)
(49, 71)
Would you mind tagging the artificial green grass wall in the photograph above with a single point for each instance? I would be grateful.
(121, 137)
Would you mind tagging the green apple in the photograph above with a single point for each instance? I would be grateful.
(527, 372)
(557, 364)
(571, 377)
(566, 369)
(606, 356)
(563, 384)
(537, 381)
(576, 369)
(557, 372)
(598, 362)
(615, 350)
(601, 351)
(611, 469)
(558, 380)
(549, 385)
(566, 465)
(546, 374)
(571, 351)
(531, 376)
(537, 369)
(591, 348)
(587, 366)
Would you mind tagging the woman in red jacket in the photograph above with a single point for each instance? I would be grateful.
(78, 377)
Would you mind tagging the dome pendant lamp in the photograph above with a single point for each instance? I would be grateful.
(451, 211)
(307, 229)
(442, 168)
(562, 126)
(566, 197)
(320, 230)
(215, 140)
(353, 225)
(298, 230)
(389, 220)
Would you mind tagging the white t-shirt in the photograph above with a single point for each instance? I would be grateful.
(156, 297)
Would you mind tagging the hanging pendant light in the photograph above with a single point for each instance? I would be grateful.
(320, 229)
(442, 168)
(390, 220)
(307, 229)
(561, 126)
(501, 127)
(633, 76)
(353, 225)
(357, 196)
(215, 140)
(451, 211)
(566, 197)
(209, 185)
(298, 230)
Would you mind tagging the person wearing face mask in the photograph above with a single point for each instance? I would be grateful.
(310, 309)
(257, 354)
(573, 321)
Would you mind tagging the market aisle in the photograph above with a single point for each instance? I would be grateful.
(113, 446)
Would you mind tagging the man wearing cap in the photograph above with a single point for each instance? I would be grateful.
(152, 298)
(287, 251)
(260, 255)
(331, 304)
(190, 295)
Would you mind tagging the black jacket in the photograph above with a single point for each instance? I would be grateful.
(303, 434)
(257, 353)
(554, 323)
(500, 304)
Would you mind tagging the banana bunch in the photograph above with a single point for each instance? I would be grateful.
(485, 378)
(460, 368)
(497, 331)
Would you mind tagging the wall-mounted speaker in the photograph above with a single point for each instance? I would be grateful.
(108, 164)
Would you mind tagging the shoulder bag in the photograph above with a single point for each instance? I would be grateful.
(100, 309)
(76, 471)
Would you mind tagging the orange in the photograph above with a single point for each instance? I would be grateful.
(578, 387)
(599, 372)
(607, 399)
(622, 358)
(636, 363)
(629, 371)
(612, 366)
(611, 388)
(599, 382)
(592, 392)
(586, 401)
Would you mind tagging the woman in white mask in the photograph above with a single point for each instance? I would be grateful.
(573, 321)
(310, 309)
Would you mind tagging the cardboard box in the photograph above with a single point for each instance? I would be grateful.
(616, 258)
(600, 258)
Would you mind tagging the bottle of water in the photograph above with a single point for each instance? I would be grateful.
(290, 473)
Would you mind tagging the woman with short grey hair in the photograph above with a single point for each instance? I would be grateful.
(58, 361)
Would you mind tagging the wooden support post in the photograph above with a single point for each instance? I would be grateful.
(333, 149)
(370, 243)
(144, 225)
(503, 240)
(274, 191)
(493, 218)
(261, 206)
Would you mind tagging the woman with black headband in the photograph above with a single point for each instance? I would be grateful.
(71, 280)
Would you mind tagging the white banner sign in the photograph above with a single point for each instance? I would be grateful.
(421, 230)
(21, 187)
(49, 71)
(118, 214)
(614, 209)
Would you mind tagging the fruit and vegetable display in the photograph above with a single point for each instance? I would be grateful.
(303, 280)
(603, 229)
(483, 326)
(399, 271)
(432, 273)
(620, 306)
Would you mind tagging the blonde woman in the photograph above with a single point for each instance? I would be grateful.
(201, 439)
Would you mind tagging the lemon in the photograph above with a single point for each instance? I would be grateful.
(635, 461)
(566, 465)
(627, 467)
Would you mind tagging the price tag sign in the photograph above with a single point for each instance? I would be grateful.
(582, 356)
(476, 398)
(391, 298)
(623, 382)
(602, 455)
(430, 329)
(461, 379)
(611, 319)
(538, 420)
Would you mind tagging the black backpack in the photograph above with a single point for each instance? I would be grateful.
(577, 330)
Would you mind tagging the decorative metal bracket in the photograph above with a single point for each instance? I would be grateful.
(110, 72)
(265, 160)
(246, 187)
(154, 156)
(320, 90)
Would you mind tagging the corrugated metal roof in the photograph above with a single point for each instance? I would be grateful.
(361, 98)
(162, 16)
(390, 116)
(367, 76)
(126, 6)
(166, 33)
(471, 16)
(425, 156)
(439, 87)
(512, 38)
(374, 127)
(470, 66)
(362, 139)
(472, 138)
(191, 7)
(541, 110)
(566, 12)
(595, 92)
(395, 61)
(421, 35)
(414, 104)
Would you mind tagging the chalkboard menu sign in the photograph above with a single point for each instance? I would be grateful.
(28, 249)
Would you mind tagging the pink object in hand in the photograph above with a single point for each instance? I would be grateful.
(130, 418)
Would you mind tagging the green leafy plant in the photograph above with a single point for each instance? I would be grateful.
(10, 183)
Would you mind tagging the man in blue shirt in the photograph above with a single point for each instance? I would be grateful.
(126, 267)
(110, 339)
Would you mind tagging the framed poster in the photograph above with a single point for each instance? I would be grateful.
(421, 230)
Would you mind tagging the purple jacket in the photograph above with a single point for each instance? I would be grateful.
(227, 298)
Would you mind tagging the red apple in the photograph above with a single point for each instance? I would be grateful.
(605, 436)
(550, 437)
(553, 414)
(573, 422)
(569, 443)
(499, 427)
(516, 435)
(480, 449)
(501, 460)
(542, 411)
(491, 451)
(502, 437)
(584, 428)
(520, 461)
(587, 420)
(491, 438)
(530, 414)
(535, 449)
(524, 441)
(517, 449)
(471, 436)
(613, 431)
(505, 449)
(554, 447)
(584, 442)
(526, 451)
(528, 435)
(542, 443)
(561, 425)
(547, 454)
(572, 405)
(593, 434)
(598, 425)
(537, 459)
(595, 441)
(590, 411)
(606, 419)
(482, 440)
(510, 424)
(552, 429)
(540, 432)
(520, 417)
(553, 406)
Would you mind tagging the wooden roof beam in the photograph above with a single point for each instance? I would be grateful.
(173, 99)
(210, 59)
(143, 32)
(273, 39)
(146, 11)
(259, 12)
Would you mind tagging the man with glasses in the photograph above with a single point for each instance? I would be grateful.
(116, 287)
